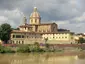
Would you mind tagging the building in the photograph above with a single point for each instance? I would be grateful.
(78, 36)
(36, 31)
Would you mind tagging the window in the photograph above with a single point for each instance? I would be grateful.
(25, 28)
(22, 36)
(71, 37)
(19, 42)
(39, 30)
(35, 20)
(65, 37)
(13, 36)
(18, 36)
(53, 28)
(43, 30)
(27, 36)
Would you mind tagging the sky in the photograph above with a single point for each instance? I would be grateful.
(68, 14)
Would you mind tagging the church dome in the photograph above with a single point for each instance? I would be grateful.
(35, 14)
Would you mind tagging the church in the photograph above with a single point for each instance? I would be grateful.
(36, 31)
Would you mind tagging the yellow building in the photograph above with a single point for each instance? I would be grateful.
(78, 36)
(38, 32)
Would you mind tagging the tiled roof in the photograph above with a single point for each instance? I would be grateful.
(29, 25)
(19, 31)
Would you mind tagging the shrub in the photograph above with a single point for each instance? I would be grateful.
(6, 49)
(23, 48)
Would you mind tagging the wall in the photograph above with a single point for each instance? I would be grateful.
(44, 28)
(30, 38)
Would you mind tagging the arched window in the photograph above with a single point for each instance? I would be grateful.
(19, 42)
(25, 28)
(13, 36)
(35, 20)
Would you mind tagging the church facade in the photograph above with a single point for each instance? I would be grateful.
(36, 31)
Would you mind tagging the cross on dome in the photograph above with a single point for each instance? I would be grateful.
(35, 9)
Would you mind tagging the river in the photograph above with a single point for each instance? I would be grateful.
(43, 58)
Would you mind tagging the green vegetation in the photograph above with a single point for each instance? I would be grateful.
(47, 45)
(35, 47)
(6, 49)
(30, 48)
(81, 40)
(46, 39)
(5, 30)
(23, 48)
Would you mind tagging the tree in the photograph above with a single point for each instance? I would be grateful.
(46, 44)
(5, 31)
(46, 39)
(81, 40)
(37, 45)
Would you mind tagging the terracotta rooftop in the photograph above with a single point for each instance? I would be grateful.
(29, 25)
(25, 26)
(19, 31)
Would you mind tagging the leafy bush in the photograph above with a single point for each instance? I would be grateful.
(81, 40)
(23, 48)
(6, 49)
(35, 47)
(29, 48)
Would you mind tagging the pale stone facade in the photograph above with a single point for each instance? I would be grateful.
(37, 32)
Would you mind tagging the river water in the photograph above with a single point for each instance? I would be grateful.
(43, 58)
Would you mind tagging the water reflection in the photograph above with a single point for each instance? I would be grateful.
(81, 56)
(42, 58)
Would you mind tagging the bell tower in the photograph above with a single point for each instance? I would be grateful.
(24, 20)
(35, 17)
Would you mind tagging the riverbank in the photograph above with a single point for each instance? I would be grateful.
(36, 47)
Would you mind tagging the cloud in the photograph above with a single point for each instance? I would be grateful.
(76, 24)
(3, 19)
(62, 22)
(80, 18)
(12, 17)
(49, 9)
(68, 14)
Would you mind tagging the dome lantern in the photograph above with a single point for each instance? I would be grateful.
(35, 9)
(35, 17)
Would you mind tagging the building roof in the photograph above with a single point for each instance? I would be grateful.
(19, 31)
(65, 32)
(29, 25)
(26, 25)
